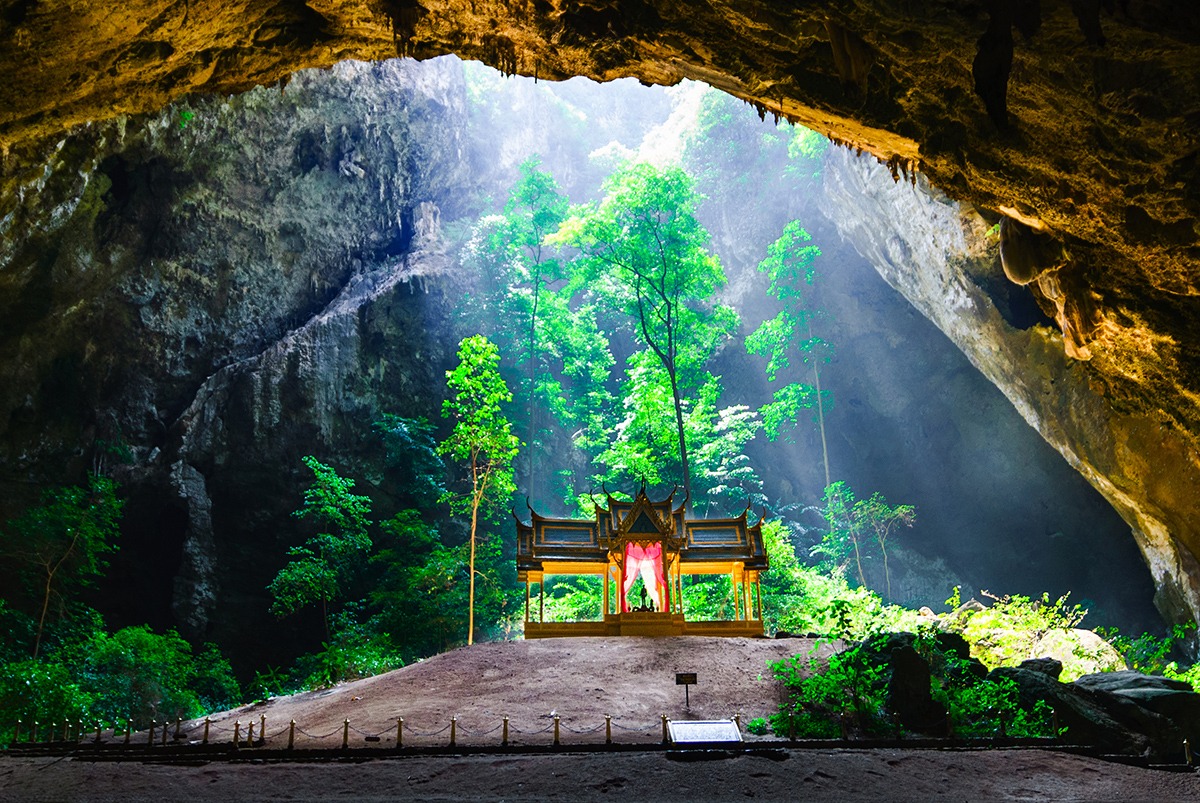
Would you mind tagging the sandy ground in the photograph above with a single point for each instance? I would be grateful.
(633, 680)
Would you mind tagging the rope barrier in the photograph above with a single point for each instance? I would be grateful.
(254, 733)
(326, 736)
(584, 730)
(546, 729)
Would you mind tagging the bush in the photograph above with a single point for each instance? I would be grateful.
(42, 691)
(141, 675)
(851, 694)
(819, 698)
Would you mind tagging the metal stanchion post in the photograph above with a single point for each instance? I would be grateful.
(237, 733)
(1187, 752)
(250, 734)
(556, 730)
(399, 732)
(128, 729)
(178, 724)
(608, 728)
(504, 735)
(207, 722)
(33, 732)
(164, 735)
(666, 737)
(53, 730)
(262, 728)
(150, 739)
(453, 729)
(345, 734)
(17, 733)
(97, 733)
(292, 735)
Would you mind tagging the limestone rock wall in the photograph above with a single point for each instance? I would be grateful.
(203, 296)
(939, 256)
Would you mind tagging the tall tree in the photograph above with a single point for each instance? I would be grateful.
(854, 523)
(789, 336)
(482, 438)
(881, 519)
(517, 266)
(62, 544)
(644, 252)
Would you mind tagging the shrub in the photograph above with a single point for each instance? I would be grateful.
(39, 690)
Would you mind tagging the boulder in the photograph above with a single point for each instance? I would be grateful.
(1119, 712)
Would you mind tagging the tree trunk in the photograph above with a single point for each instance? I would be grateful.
(683, 458)
(471, 561)
(862, 578)
(37, 641)
(887, 577)
(820, 413)
(533, 373)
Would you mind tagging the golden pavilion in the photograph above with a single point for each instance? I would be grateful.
(653, 541)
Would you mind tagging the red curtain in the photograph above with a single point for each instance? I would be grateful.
(637, 556)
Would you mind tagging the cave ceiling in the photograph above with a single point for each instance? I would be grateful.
(1078, 121)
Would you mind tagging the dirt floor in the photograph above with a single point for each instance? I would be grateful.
(580, 680)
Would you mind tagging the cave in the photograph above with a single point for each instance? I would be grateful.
(1088, 138)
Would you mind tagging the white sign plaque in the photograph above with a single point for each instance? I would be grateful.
(710, 732)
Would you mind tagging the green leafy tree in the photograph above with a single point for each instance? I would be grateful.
(640, 443)
(62, 544)
(517, 266)
(788, 337)
(644, 253)
(857, 526)
(482, 439)
(411, 449)
(844, 538)
(321, 568)
(881, 520)
(418, 592)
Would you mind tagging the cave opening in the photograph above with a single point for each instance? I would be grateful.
(321, 275)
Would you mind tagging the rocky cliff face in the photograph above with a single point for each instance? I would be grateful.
(941, 260)
(215, 291)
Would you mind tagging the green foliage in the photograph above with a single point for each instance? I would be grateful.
(790, 266)
(800, 599)
(1003, 633)
(991, 707)
(411, 450)
(420, 590)
(95, 676)
(483, 439)
(573, 599)
(847, 692)
(644, 253)
(859, 528)
(482, 436)
(42, 691)
(758, 726)
(62, 544)
(270, 681)
(850, 693)
(322, 567)
(355, 651)
(142, 675)
(1148, 652)
(1189, 675)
